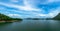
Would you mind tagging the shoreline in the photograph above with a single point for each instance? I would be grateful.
(10, 21)
(2, 21)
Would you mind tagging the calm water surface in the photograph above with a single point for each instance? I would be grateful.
(31, 25)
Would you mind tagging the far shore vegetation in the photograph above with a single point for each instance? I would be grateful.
(7, 18)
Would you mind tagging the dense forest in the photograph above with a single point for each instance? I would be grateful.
(57, 17)
(7, 18)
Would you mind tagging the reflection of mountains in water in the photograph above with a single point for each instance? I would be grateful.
(32, 18)
(57, 17)
(35, 18)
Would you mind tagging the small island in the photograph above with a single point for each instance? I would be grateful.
(5, 18)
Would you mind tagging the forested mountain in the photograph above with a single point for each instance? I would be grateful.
(57, 17)
(7, 18)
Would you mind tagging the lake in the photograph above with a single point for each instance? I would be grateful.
(31, 25)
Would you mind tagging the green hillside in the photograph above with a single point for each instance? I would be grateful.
(57, 17)
(7, 18)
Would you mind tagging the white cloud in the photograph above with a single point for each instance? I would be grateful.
(14, 15)
(30, 10)
(26, 8)
(51, 14)
(55, 12)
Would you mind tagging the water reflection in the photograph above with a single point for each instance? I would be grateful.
(32, 25)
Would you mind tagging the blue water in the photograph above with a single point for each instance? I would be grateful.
(31, 25)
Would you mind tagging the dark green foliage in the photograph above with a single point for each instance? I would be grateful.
(7, 18)
(57, 17)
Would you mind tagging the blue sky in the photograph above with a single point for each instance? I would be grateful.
(30, 8)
